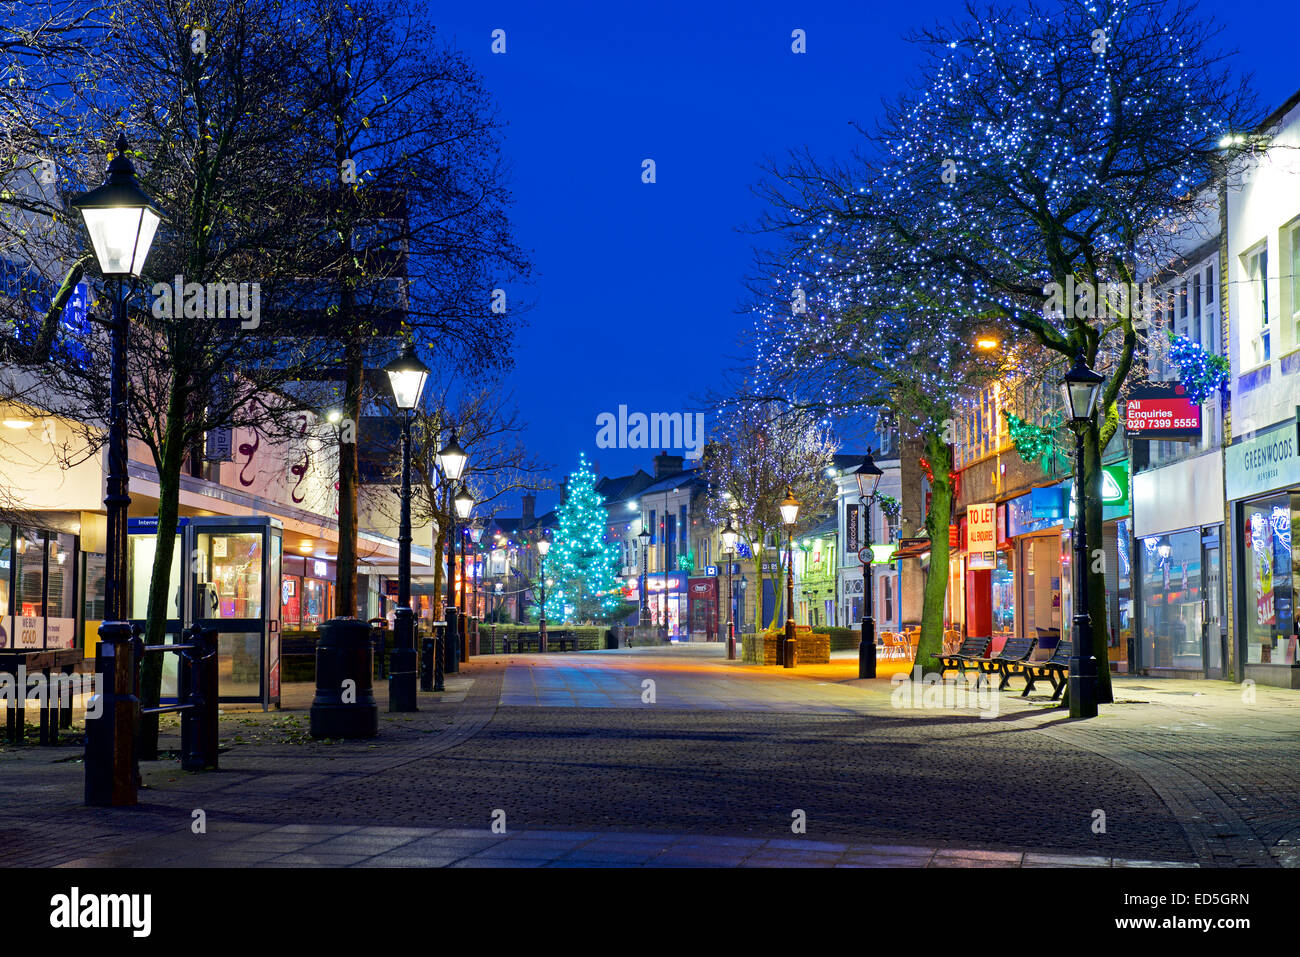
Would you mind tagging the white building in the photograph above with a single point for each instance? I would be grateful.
(1261, 461)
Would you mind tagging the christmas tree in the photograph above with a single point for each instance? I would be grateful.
(582, 564)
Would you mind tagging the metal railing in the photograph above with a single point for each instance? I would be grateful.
(112, 763)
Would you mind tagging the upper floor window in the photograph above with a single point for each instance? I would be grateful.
(1291, 284)
(1254, 298)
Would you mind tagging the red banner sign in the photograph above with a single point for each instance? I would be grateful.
(1161, 412)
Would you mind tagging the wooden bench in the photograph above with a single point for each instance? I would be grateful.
(561, 641)
(54, 713)
(521, 642)
(1014, 652)
(972, 650)
(1055, 669)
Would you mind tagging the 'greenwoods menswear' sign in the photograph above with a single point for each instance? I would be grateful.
(1263, 463)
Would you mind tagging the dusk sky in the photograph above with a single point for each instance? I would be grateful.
(637, 286)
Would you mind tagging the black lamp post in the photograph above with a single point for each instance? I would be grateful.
(729, 536)
(475, 536)
(451, 459)
(868, 477)
(407, 375)
(543, 546)
(121, 220)
(1081, 388)
(644, 618)
(458, 652)
(789, 515)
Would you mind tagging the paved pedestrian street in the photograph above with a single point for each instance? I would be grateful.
(678, 757)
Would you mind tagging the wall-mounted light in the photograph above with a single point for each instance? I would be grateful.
(18, 424)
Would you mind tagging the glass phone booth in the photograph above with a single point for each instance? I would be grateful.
(225, 575)
(235, 576)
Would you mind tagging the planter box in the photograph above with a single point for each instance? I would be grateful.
(809, 649)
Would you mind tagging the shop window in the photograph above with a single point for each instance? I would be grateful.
(1004, 597)
(315, 608)
(61, 598)
(1270, 624)
(1042, 590)
(6, 568)
(291, 602)
(1171, 600)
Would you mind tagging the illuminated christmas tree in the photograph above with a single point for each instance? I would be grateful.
(582, 564)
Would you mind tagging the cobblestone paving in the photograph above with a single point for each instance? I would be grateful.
(1181, 775)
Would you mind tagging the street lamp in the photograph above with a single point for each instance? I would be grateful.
(407, 375)
(868, 477)
(1081, 388)
(543, 546)
(451, 458)
(729, 536)
(121, 220)
(644, 618)
(789, 515)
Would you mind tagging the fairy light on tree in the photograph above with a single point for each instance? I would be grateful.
(583, 565)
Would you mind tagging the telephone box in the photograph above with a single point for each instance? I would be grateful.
(225, 575)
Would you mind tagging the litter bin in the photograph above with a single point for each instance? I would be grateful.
(344, 705)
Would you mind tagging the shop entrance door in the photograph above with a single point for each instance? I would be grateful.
(236, 575)
(1214, 633)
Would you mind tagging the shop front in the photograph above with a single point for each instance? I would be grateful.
(306, 592)
(1262, 483)
(1178, 530)
(668, 600)
(38, 589)
(1033, 526)
(702, 603)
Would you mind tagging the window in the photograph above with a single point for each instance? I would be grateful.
(1182, 301)
(1293, 240)
(1255, 303)
(1209, 284)
(1196, 298)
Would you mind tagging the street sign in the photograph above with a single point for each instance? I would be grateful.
(864, 555)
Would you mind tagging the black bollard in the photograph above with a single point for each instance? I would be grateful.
(344, 705)
(451, 643)
(111, 718)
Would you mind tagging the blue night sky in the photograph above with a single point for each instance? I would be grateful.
(637, 285)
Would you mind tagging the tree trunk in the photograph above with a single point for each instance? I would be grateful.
(937, 519)
(345, 595)
(160, 597)
(439, 598)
